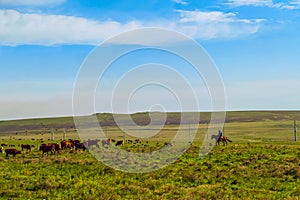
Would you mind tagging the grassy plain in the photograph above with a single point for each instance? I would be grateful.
(263, 162)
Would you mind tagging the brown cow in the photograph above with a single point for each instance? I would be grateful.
(45, 148)
(66, 144)
(26, 146)
(57, 147)
(13, 152)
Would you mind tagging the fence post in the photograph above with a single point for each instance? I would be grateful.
(207, 125)
(190, 139)
(106, 132)
(52, 134)
(295, 130)
(64, 134)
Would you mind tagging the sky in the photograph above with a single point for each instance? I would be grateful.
(44, 44)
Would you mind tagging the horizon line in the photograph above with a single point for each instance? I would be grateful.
(69, 116)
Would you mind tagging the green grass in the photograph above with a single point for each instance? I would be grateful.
(263, 162)
(245, 171)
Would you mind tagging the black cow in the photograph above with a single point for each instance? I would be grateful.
(26, 146)
(120, 142)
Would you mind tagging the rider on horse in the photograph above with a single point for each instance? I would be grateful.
(220, 135)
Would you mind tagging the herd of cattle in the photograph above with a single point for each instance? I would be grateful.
(54, 148)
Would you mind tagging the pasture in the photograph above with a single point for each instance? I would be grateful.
(262, 162)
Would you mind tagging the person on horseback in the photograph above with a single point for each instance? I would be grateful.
(220, 135)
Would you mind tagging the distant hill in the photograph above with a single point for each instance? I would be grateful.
(107, 119)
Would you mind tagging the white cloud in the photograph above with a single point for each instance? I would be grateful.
(217, 24)
(19, 28)
(250, 2)
(291, 5)
(198, 16)
(31, 2)
(182, 2)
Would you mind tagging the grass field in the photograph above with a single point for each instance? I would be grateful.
(262, 162)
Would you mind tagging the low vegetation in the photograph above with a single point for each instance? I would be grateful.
(262, 162)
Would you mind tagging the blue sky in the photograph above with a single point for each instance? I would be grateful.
(254, 44)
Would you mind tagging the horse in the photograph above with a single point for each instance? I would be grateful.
(93, 143)
(220, 139)
(106, 142)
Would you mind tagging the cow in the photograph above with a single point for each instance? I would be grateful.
(66, 144)
(45, 148)
(26, 146)
(3, 145)
(120, 142)
(57, 147)
(13, 152)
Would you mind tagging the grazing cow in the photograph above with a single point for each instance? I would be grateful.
(45, 148)
(26, 146)
(120, 142)
(3, 145)
(13, 152)
(106, 142)
(80, 146)
(67, 145)
(57, 147)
